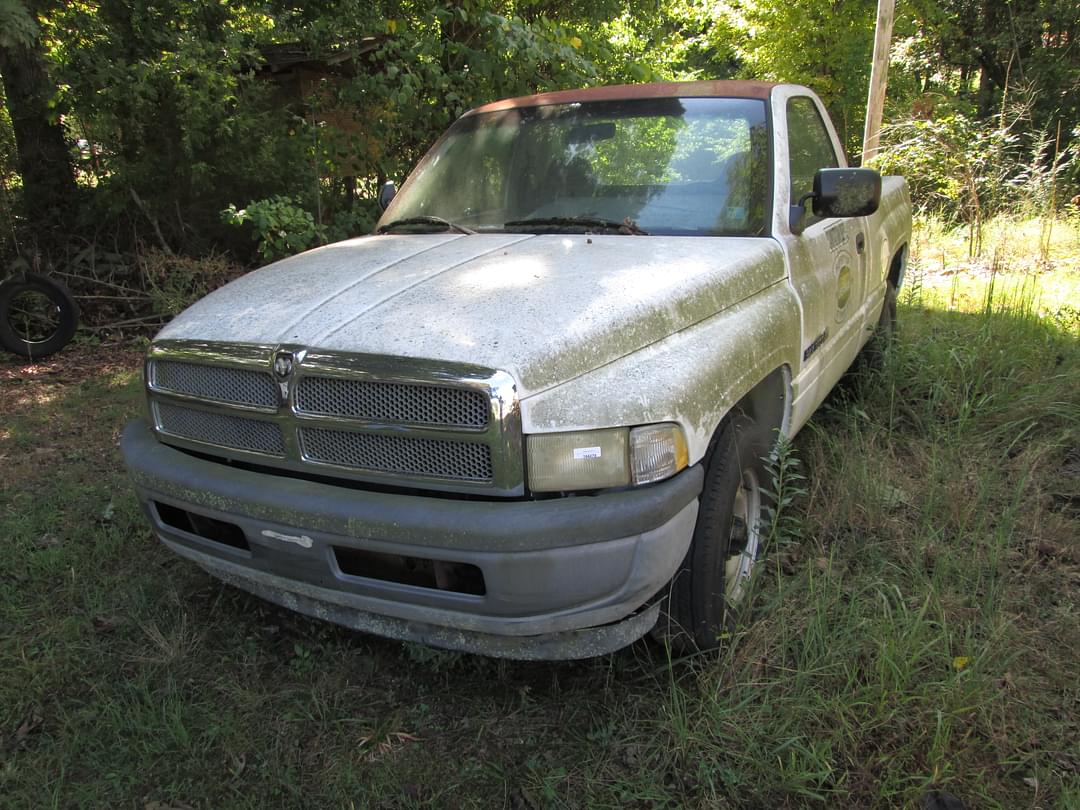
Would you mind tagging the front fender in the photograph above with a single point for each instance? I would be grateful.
(692, 377)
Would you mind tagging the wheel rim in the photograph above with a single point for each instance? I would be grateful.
(33, 317)
(745, 538)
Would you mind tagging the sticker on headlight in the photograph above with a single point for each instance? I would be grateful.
(581, 453)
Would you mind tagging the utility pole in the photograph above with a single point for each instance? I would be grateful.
(879, 72)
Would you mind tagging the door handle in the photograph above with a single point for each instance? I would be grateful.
(860, 243)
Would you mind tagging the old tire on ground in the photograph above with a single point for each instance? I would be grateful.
(38, 316)
(711, 587)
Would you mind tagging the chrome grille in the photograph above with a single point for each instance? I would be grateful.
(220, 429)
(239, 385)
(393, 402)
(359, 417)
(437, 458)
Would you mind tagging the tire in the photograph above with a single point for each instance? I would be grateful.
(711, 588)
(873, 353)
(38, 316)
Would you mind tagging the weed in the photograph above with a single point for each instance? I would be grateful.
(782, 527)
(917, 631)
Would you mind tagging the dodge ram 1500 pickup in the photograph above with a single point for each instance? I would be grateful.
(528, 416)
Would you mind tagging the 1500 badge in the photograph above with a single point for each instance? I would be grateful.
(815, 344)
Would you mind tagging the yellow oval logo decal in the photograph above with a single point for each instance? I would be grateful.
(843, 288)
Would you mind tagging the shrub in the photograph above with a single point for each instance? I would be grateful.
(282, 226)
(173, 283)
(965, 170)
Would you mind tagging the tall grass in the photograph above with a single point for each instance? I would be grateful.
(902, 641)
(917, 617)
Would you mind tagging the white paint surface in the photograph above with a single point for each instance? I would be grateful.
(543, 308)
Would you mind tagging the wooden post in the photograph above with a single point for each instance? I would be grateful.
(879, 72)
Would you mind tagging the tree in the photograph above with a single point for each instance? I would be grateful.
(824, 44)
(44, 160)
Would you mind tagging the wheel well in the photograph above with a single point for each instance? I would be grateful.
(898, 266)
(768, 404)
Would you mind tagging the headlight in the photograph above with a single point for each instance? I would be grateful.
(614, 457)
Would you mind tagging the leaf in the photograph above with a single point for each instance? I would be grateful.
(236, 764)
(47, 540)
(104, 624)
(27, 727)
(894, 497)
(17, 25)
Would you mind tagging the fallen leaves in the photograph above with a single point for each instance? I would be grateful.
(236, 763)
(1053, 551)
(47, 540)
(375, 747)
(104, 624)
(32, 723)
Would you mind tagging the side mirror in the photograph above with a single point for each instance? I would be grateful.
(846, 192)
(386, 193)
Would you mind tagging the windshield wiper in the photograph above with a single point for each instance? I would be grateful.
(425, 220)
(627, 226)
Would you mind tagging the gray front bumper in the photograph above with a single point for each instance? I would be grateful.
(558, 573)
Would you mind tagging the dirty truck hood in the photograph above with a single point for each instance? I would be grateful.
(544, 308)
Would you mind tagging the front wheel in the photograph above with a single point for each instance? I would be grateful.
(873, 353)
(38, 316)
(712, 586)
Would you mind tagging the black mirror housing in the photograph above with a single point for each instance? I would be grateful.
(846, 192)
(387, 191)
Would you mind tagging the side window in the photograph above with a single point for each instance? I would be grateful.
(809, 147)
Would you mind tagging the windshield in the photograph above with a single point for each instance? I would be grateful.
(690, 166)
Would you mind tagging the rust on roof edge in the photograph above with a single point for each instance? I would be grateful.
(618, 92)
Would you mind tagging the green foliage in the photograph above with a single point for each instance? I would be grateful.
(824, 44)
(977, 58)
(785, 488)
(196, 104)
(964, 170)
(175, 114)
(281, 226)
(188, 104)
(17, 24)
(8, 155)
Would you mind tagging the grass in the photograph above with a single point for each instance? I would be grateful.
(916, 625)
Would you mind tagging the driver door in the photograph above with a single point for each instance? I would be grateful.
(827, 259)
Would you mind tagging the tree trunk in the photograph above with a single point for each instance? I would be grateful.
(44, 161)
(986, 92)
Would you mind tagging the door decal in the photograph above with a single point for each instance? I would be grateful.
(843, 291)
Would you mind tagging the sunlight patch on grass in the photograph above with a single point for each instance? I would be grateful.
(1014, 267)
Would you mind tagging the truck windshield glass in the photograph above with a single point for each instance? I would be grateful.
(690, 166)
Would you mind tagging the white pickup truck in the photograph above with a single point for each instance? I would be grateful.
(527, 416)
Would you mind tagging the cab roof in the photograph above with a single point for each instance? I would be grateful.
(619, 92)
